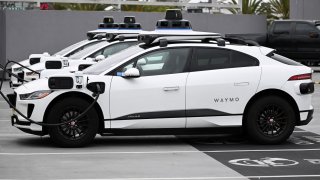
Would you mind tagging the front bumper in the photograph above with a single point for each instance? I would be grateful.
(308, 119)
(24, 126)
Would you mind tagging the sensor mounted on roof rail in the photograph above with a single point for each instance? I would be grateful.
(129, 22)
(173, 20)
(120, 36)
(108, 22)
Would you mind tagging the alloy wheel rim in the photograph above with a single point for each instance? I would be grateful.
(73, 130)
(272, 121)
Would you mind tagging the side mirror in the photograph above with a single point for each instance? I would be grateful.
(46, 54)
(313, 34)
(100, 58)
(142, 62)
(132, 73)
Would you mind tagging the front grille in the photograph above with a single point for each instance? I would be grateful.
(30, 110)
(12, 99)
(9, 74)
(21, 76)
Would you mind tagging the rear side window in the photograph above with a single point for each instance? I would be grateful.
(239, 59)
(283, 59)
(304, 28)
(282, 28)
(212, 58)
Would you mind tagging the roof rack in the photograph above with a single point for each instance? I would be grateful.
(153, 37)
(120, 36)
(241, 41)
(150, 39)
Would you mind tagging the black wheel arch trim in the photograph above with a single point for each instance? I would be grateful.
(272, 92)
(79, 95)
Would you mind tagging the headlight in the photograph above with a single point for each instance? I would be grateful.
(18, 69)
(35, 95)
(33, 73)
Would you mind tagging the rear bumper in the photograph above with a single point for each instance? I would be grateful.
(308, 119)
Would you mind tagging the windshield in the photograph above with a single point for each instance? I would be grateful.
(111, 61)
(90, 49)
(113, 48)
(69, 48)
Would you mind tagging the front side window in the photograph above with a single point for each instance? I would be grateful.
(214, 58)
(166, 61)
(282, 28)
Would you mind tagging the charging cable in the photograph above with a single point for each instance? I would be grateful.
(39, 123)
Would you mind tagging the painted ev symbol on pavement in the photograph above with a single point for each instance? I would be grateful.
(264, 162)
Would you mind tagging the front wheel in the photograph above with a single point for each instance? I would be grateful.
(270, 120)
(75, 133)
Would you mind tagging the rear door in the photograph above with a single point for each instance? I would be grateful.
(220, 84)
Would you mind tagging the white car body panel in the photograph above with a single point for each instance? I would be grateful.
(125, 100)
(133, 92)
(222, 89)
(43, 58)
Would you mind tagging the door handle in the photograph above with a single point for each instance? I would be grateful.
(174, 88)
(241, 84)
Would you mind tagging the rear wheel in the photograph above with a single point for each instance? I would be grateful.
(270, 120)
(75, 133)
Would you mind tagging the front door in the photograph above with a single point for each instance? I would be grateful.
(156, 99)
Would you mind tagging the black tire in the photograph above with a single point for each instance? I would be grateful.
(74, 134)
(270, 120)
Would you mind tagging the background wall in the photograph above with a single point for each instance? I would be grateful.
(29, 32)
(305, 9)
(2, 37)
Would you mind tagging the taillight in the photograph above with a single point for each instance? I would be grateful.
(300, 77)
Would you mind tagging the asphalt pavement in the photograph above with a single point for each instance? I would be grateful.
(24, 156)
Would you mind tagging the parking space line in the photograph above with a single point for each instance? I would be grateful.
(153, 152)
(216, 177)
(300, 131)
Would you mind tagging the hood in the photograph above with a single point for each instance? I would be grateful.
(37, 85)
(37, 67)
(24, 63)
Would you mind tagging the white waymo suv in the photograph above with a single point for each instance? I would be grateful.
(172, 84)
